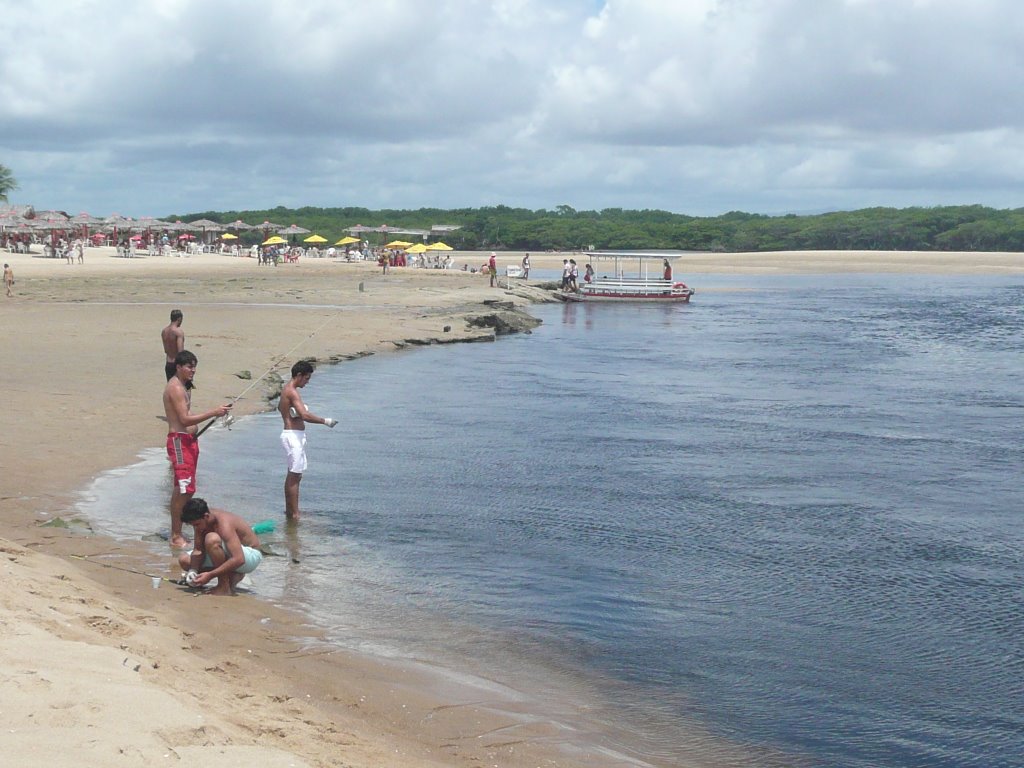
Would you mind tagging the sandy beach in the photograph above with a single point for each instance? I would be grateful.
(99, 664)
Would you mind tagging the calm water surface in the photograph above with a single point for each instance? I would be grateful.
(786, 515)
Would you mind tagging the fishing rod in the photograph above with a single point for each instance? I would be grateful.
(262, 376)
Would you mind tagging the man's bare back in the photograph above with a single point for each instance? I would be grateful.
(173, 336)
(174, 341)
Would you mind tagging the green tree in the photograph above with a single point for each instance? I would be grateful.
(7, 182)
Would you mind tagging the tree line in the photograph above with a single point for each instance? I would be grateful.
(946, 228)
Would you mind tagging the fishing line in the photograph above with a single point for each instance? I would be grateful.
(273, 365)
(88, 559)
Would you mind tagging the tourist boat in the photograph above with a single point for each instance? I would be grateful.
(620, 287)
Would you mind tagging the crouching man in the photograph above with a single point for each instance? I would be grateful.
(225, 547)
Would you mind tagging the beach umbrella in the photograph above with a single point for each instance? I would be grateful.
(418, 248)
(53, 226)
(52, 216)
(50, 225)
(186, 236)
(266, 227)
(240, 225)
(293, 230)
(206, 225)
(85, 220)
(275, 240)
(439, 246)
(398, 244)
(118, 222)
(228, 236)
(315, 239)
(347, 240)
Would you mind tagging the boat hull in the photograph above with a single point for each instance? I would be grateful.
(638, 293)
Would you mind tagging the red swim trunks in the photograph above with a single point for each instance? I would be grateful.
(183, 451)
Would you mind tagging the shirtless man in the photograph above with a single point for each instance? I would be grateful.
(182, 443)
(293, 436)
(8, 278)
(226, 548)
(174, 341)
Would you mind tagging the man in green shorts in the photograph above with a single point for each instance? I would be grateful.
(226, 547)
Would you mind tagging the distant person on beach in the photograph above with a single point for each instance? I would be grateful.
(667, 274)
(588, 274)
(173, 338)
(526, 267)
(293, 437)
(182, 443)
(492, 268)
(565, 274)
(226, 548)
(574, 274)
(8, 278)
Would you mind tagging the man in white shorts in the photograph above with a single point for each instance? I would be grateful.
(293, 436)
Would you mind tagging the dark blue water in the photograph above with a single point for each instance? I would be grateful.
(785, 516)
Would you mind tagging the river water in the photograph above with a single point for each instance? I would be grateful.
(785, 516)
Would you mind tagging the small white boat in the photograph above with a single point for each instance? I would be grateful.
(620, 287)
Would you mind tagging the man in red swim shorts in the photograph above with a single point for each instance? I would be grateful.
(182, 443)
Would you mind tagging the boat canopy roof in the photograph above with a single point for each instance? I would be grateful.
(638, 255)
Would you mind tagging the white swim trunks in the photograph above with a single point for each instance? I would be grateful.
(294, 442)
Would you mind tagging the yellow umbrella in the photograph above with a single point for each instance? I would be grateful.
(275, 240)
(398, 244)
(418, 248)
(315, 239)
(347, 240)
(228, 236)
(439, 246)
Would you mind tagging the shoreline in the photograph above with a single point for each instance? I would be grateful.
(92, 407)
(375, 704)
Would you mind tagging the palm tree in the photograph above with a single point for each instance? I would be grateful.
(7, 182)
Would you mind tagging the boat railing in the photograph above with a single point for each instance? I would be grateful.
(630, 283)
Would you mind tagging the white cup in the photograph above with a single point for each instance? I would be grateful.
(156, 582)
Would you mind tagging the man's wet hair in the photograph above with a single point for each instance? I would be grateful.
(302, 367)
(194, 509)
(185, 358)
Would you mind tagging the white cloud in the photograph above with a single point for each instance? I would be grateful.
(697, 106)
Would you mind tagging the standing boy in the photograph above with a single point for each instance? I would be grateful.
(293, 437)
(173, 338)
(182, 443)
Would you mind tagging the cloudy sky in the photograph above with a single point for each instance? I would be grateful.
(693, 106)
